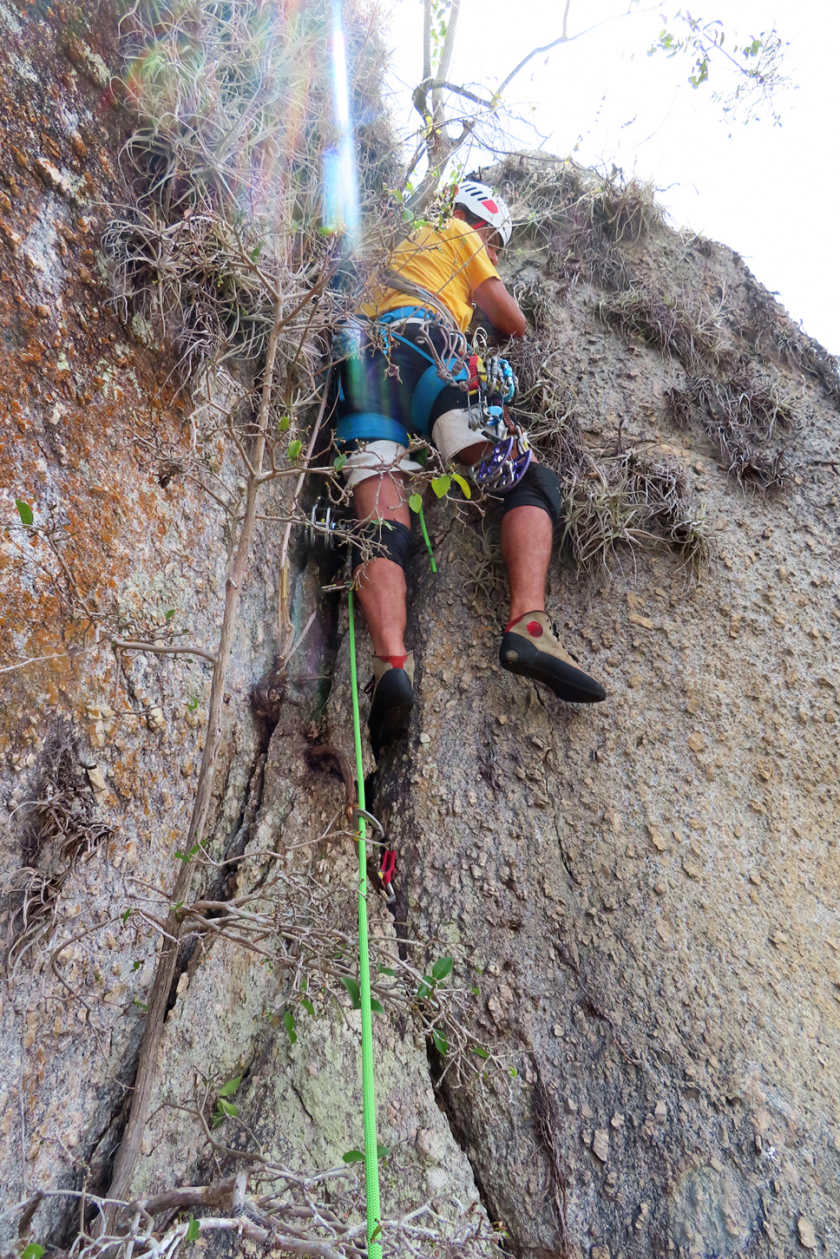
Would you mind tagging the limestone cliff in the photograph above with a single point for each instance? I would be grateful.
(641, 900)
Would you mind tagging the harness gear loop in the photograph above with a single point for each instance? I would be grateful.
(368, 1094)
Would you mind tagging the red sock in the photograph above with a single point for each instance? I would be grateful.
(396, 662)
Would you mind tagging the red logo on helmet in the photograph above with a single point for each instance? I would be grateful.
(490, 205)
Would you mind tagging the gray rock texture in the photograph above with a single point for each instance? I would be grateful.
(641, 898)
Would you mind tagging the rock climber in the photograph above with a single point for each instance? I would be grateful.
(389, 393)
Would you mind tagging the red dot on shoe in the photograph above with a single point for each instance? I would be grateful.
(535, 629)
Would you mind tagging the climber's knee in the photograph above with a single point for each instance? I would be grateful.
(382, 540)
(540, 487)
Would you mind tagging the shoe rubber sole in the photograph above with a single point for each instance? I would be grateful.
(524, 659)
(390, 713)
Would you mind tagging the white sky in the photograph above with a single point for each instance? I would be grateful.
(771, 193)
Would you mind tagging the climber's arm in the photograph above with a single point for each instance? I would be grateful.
(500, 307)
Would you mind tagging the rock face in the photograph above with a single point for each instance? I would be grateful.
(641, 898)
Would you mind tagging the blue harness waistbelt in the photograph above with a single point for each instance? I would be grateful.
(367, 426)
(372, 426)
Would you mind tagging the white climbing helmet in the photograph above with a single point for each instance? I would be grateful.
(482, 201)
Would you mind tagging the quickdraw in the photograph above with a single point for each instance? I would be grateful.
(388, 857)
(493, 386)
(387, 870)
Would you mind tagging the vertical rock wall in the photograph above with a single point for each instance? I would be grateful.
(646, 891)
(110, 745)
(643, 895)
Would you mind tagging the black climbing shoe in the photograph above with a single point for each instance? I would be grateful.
(531, 648)
(392, 702)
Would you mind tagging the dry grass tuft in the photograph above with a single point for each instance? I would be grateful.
(59, 829)
(614, 498)
(233, 167)
(738, 414)
(678, 326)
(806, 355)
(585, 221)
(629, 499)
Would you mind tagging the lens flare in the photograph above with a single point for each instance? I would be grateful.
(341, 183)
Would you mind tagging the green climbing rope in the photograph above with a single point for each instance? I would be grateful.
(368, 1099)
(426, 538)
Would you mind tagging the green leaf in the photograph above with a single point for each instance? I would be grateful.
(193, 1230)
(415, 502)
(375, 1233)
(193, 704)
(125, 916)
(465, 489)
(424, 991)
(442, 968)
(137, 965)
(285, 424)
(353, 988)
(422, 456)
(33, 1251)
(441, 485)
(188, 856)
(308, 1006)
(25, 513)
(482, 1053)
(339, 462)
(229, 1108)
(141, 1005)
(227, 1090)
(376, 1006)
(441, 1043)
(289, 1024)
(476, 992)
(356, 1156)
(513, 1073)
(386, 970)
(295, 448)
(169, 615)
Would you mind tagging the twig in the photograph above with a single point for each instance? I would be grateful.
(285, 628)
(163, 651)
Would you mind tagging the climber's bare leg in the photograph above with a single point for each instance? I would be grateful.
(381, 583)
(527, 534)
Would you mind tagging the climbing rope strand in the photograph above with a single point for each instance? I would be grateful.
(368, 1097)
(426, 539)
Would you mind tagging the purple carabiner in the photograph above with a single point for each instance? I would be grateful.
(503, 469)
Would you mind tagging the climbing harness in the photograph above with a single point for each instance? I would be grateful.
(445, 352)
(368, 1096)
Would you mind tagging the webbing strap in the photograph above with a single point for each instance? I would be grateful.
(368, 1098)
(369, 426)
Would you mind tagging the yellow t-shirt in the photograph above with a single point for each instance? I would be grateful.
(450, 263)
